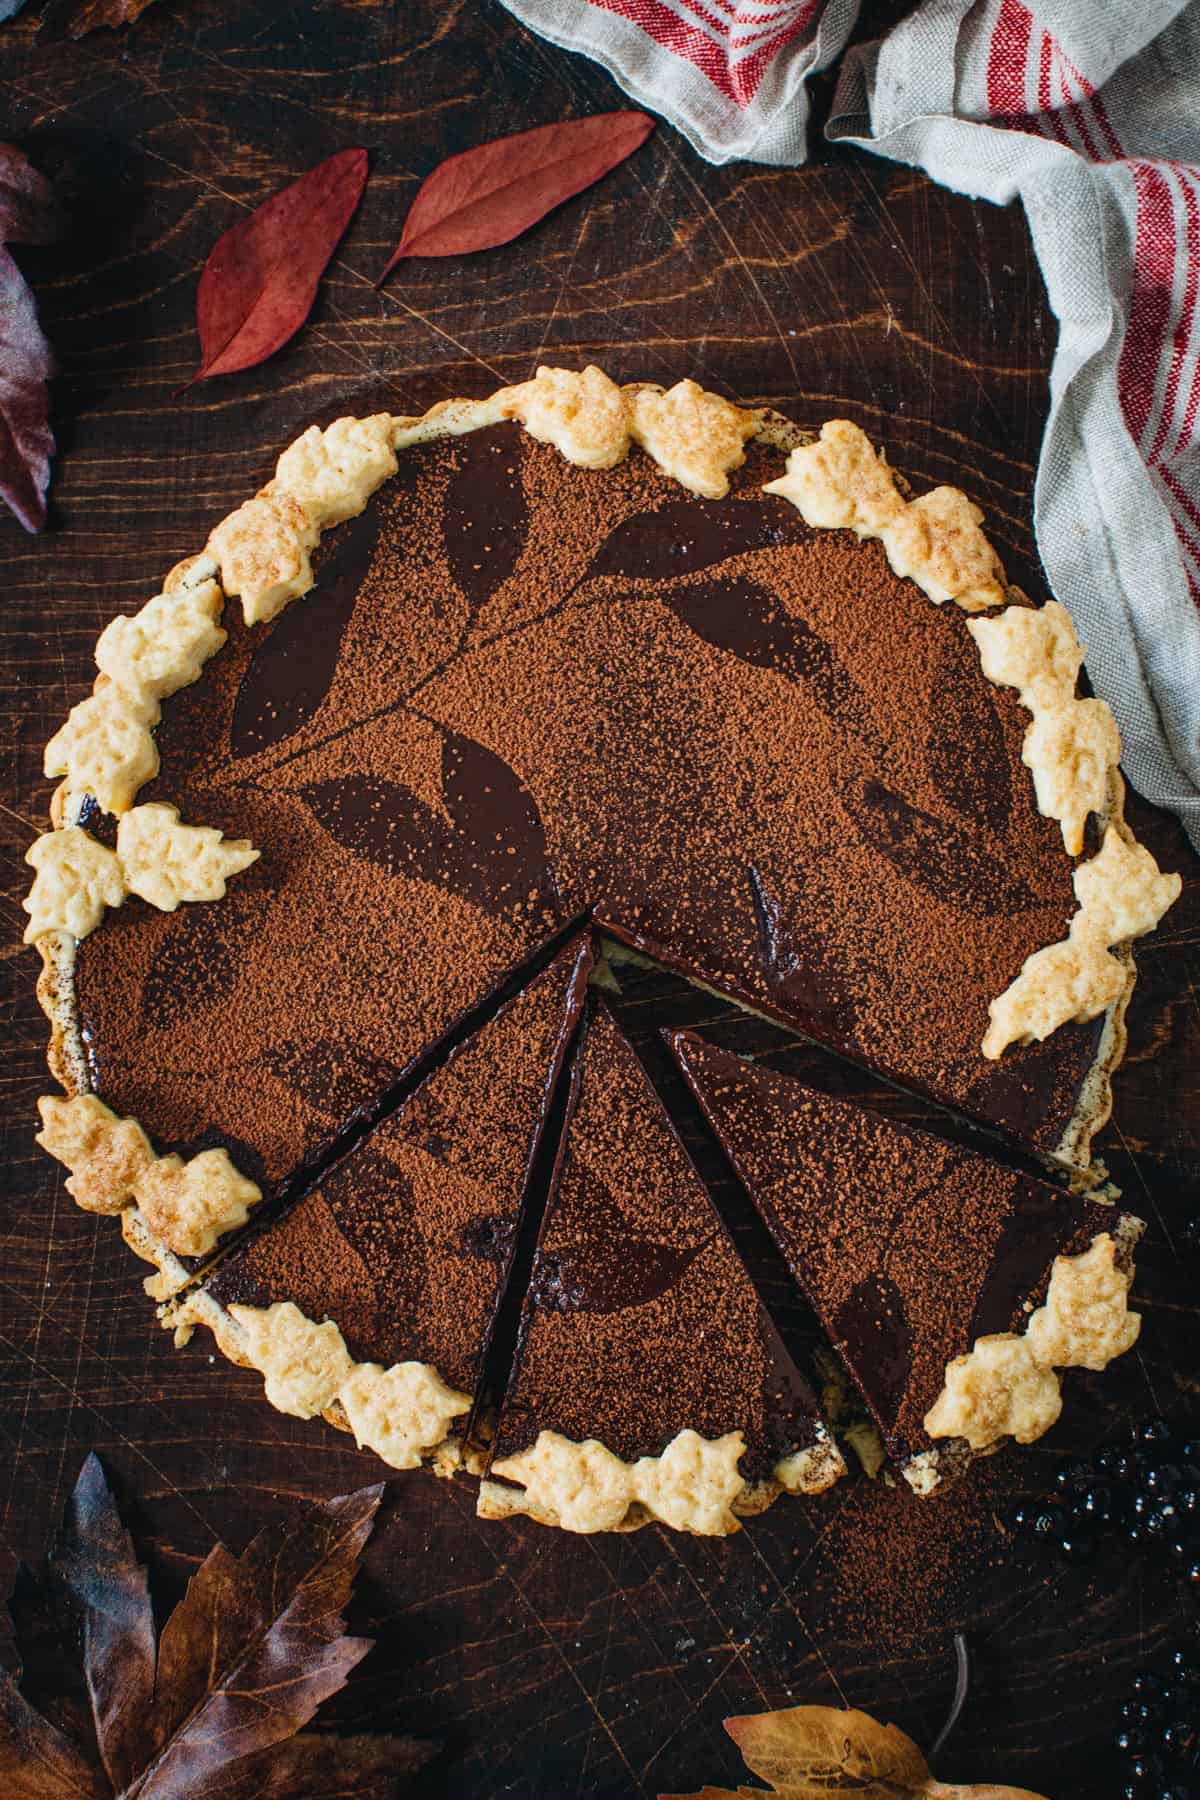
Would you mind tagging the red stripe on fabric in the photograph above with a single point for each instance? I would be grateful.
(1008, 57)
(711, 51)
(751, 69)
(1192, 211)
(672, 33)
(1078, 117)
(1081, 81)
(1100, 114)
(1188, 555)
(1181, 337)
(1045, 104)
(1187, 504)
(748, 33)
(1150, 304)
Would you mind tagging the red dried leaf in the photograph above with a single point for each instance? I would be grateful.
(111, 1597)
(490, 195)
(26, 365)
(260, 280)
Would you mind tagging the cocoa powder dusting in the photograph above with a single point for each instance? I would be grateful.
(907, 1247)
(405, 1245)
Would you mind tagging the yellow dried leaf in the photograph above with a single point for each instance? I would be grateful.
(814, 1752)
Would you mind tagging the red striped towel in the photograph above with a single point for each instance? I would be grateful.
(1090, 115)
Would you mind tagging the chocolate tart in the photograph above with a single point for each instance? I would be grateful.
(405, 1246)
(647, 1381)
(911, 1250)
(719, 697)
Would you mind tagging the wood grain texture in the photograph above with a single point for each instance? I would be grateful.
(553, 1666)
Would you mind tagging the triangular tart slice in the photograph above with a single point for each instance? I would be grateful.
(648, 1381)
(953, 1288)
(373, 1299)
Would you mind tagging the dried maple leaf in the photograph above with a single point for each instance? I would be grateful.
(491, 194)
(253, 1648)
(260, 280)
(812, 1752)
(28, 215)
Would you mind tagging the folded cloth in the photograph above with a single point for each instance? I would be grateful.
(1090, 115)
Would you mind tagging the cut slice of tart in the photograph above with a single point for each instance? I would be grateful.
(953, 1288)
(373, 1298)
(648, 1381)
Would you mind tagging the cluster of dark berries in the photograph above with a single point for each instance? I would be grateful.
(1158, 1738)
(1147, 1493)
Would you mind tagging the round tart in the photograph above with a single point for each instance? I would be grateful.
(575, 657)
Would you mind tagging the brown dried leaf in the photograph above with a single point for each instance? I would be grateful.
(36, 1761)
(812, 1752)
(110, 1595)
(78, 18)
(244, 1661)
(255, 1645)
(320, 1766)
(28, 215)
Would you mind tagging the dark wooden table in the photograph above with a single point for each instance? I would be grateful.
(552, 1665)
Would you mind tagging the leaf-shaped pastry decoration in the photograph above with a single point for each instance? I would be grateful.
(815, 1752)
(966, 752)
(491, 849)
(686, 536)
(610, 1275)
(747, 620)
(295, 660)
(485, 518)
(947, 861)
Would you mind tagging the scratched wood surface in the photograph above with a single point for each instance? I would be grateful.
(550, 1665)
